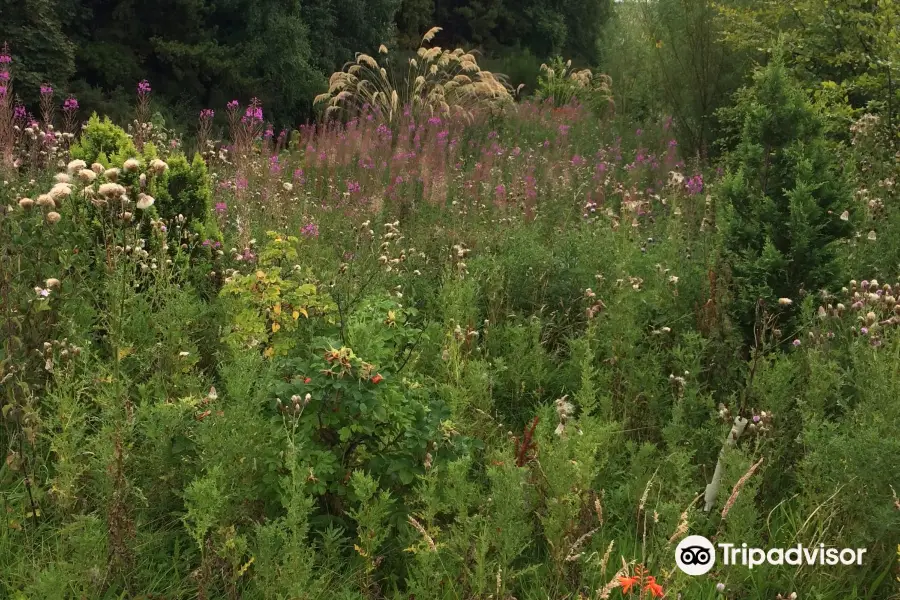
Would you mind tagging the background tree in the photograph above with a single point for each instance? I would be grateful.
(854, 43)
(41, 52)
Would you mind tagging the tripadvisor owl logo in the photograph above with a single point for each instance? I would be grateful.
(696, 555)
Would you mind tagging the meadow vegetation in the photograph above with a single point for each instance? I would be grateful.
(454, 341)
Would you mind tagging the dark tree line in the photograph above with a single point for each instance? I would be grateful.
(203, 53)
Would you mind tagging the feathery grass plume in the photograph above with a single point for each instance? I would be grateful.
(559, 83)
(573, 554)
(418, 527)
(605, 559)
(598, 506)
(613, 583)
(739, 486)
(683, 523)
(430, 84)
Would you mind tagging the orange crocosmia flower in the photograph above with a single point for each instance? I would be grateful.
(378, 378)
(626, 583)
(654, 588)
(307, 380)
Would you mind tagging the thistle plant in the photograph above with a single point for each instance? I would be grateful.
(203, 128)
(436, 81)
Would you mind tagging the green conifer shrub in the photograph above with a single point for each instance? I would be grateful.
(784, 196)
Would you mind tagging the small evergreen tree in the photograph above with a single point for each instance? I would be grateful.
(784, 195)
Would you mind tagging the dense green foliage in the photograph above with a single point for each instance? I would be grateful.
(787, 196)
(203, 53)
(456, 340)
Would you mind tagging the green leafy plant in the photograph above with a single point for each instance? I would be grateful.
(785, 197)
(265, 307)
(104, 142)
(184, 188)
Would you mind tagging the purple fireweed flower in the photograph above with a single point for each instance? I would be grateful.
(673, 143)
(5, 59)
(221, 208)
(639, 132)
(694, 184)
(353, 186)
(232, 105)
(310, 230)
(270, 133)
(563, 129)
(500, 192)
(19, 112)
(207, 114)
(240, 183)
(4, 75)
(253, 113)
(577, 160)
(70, 104)
(46, 90)
(143, 87)
(434, 121)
